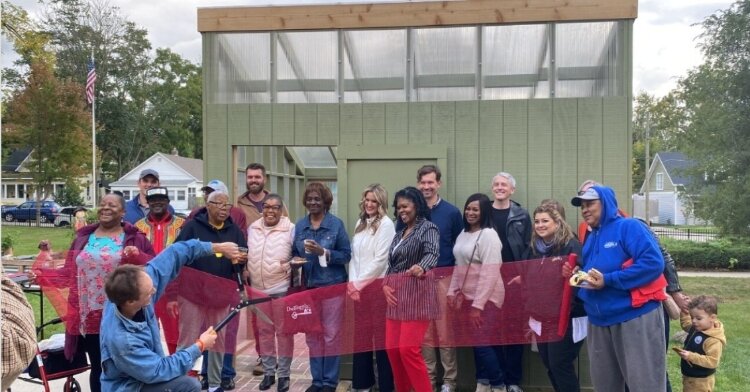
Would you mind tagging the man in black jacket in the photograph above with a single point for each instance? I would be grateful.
(513, 226)
(197, 297)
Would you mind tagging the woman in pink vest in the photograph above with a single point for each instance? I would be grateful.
(269, 252)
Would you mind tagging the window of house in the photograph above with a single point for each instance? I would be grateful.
(10, 191)
(21, 191)
(126, 195)
(659, 181)
(171, 195)
(191, 193)
(181, 195)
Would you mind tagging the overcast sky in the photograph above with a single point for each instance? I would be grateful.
(664, 48)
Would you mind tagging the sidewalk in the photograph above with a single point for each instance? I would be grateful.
(715, 274)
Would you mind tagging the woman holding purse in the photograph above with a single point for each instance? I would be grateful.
(476, 287)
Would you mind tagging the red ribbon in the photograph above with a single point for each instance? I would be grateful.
(562, 325)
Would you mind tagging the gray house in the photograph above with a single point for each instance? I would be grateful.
(666, 181)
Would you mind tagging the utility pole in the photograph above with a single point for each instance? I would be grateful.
(646, 167)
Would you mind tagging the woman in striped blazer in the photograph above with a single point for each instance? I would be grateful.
(411, 296)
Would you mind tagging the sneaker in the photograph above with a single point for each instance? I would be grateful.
(227, 384)
(501, 388)
(313, 388)
(258, 369)
(215, 389)
(514, 388)
(448, 388)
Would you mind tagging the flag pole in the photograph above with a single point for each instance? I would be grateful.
(93, 142)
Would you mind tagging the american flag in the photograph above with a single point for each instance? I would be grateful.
(90, 82)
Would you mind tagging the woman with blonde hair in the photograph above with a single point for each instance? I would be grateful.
(553, 239)
(373, 234)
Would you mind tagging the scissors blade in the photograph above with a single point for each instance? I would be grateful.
(263, 316)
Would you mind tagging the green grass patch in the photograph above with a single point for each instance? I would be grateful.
(26, 239)
(733, 374)
(49, 314)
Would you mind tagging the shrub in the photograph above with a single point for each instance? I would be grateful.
(721, 254)
(7, 243)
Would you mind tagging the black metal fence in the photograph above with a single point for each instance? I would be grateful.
(697, 234)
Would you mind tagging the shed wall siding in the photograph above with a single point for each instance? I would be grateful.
(549, 145)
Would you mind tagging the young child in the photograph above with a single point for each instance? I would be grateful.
(703, 346)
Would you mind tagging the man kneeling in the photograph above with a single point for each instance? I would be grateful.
(132, 354)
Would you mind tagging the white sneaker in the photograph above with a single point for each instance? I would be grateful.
(448, 388)
(482, 388)
(514, 388)
(501, 388)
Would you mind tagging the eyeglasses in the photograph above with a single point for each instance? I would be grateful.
(272, 208)
(223, 206)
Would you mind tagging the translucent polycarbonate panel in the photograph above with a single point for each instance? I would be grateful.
(307, 64)
(445, 63)
(514, 60)
(507, 93)
(444, 94)
(318, 157)
(514, 49)
(517, 62)
(587, 57)
(374, 65)
(240, 68)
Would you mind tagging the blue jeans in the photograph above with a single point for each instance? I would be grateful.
(179, 384)
(325, 368)
(489, 359)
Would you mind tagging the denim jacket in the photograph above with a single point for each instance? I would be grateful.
(332, 236)
(132, 353)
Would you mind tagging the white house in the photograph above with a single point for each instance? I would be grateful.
(18, 184)
(666, 181)
(183, 178)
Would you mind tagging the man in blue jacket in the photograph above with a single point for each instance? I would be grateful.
(626, 326)
(450, 222)
(132, 354)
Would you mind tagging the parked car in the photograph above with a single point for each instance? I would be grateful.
(67, 216)
(27, 211)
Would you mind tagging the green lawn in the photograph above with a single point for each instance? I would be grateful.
(49, 314)
(734, 295)
(26, 239)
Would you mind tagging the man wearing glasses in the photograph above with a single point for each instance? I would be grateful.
(237, 215)
(192, 297)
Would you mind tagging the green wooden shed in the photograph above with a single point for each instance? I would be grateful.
(352, 94)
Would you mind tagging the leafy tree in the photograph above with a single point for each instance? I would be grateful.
(122, 53)
(716, 99)
(175, 110)
(70, 194)
(664, 117)
(144, 104)
(50, 117)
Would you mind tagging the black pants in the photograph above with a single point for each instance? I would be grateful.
(559, 359)
(370, 329)
(90, 343)
(511, 363)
